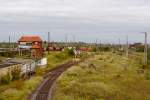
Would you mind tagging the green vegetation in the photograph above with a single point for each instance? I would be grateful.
(10, 76)
(107, 76)
(18, 89)
(56, 58)
(16, 73)
(5, 79)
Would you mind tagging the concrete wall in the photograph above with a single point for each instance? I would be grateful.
(27, 67)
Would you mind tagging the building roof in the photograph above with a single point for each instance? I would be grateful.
(14, 61)
(32, 38)
(85, 49)
(20, 60)
(7, 64)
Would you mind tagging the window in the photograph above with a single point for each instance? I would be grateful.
(36, 42)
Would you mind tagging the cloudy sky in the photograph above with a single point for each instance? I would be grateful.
(87, 20)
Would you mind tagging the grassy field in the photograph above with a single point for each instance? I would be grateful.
(19, 90)
(104, 77)
(56, 58)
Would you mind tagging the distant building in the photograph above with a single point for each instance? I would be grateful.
(53, 47)
(33, 43)
(85, 49)
(136, 45)
(27, 65)
(28, 41)
(58, 49)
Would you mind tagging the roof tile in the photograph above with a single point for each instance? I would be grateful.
(30, 39)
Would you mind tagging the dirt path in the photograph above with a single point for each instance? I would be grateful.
(43, 92)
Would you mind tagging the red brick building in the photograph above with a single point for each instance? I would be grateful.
(33, 43)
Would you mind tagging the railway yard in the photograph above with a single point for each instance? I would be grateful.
(95, 76)
(74, 50)
(43, 91)
(93, 72)
(24, 88)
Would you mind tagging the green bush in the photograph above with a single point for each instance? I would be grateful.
(105, 48)
(147, 74)
(60, 56)
(148, 53)
(69, 52)
(16, 73)
(39, 71)
(94, 49)
(6, 79)
(140, 48)
(83, 55)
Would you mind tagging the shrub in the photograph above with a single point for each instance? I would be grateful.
(148, 54)
(69, 52)
(6, 79)
(39, 71)
(140, 48)
(94, 49)
(16, 73)
(60, 56)
(147, 74)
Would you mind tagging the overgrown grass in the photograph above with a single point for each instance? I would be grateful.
(56, 58)
(114, 78)
(19, 90)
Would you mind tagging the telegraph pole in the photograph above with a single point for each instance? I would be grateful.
(9, 41)
(48, 41)
(127, 46)
(100, 45)
(145, 49)
(119, 44)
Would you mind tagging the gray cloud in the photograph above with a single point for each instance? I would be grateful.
(97, 18)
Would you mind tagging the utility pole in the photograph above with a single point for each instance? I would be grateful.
(100, 46)
(96, 45)
(127, 46)
(100, 43)
(119, 44)
(9, 42)
(96, 41)
(48, 41)
(145, 50)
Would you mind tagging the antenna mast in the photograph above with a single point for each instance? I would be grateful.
(145, 50)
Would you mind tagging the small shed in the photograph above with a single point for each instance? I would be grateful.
(27, 65)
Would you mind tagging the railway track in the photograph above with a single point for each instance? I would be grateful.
(43, 92)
